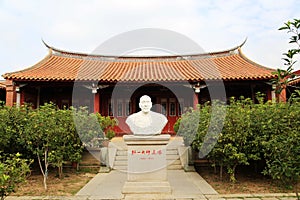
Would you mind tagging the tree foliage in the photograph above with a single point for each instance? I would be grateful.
(265, 131)
(49, 135)
(285, 75)
(13, 171)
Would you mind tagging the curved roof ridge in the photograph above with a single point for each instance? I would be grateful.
(36, 65)
(2, 84)
(251, 61)
(80, 54)
(231, 49)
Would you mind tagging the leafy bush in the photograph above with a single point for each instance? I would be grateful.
(264, 131)
(13, 171)
(107, 124)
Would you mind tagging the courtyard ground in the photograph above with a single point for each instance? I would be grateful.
(73, 181)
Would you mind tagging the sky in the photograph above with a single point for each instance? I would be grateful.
(82, 25)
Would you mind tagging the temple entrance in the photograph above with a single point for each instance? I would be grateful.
(163, 99)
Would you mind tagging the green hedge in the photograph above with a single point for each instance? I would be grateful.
(242, 132)
(50, 135)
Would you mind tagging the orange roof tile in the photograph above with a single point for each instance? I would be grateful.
(296, 79)
(2, 84)
(68, 66)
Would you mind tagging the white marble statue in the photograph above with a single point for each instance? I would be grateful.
(146, 122)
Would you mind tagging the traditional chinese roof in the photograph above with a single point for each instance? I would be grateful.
(296, 79)
(60, 65)
(2, 85)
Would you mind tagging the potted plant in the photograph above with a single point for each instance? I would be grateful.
(75, 159)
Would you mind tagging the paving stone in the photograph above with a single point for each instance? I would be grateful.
(227, 196)
(216, 198)
(148, 196)
(236, 198)
(147, 188)
(273, 194)
(185, 196)
(213, 196)
(269, 198)
(288, 198)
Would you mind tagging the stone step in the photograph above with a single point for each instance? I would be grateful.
(120, 168)
(122, 158)
(172, 152)
(120, 162)
(172, 157)
(173, 162)
(174, 167)
(121, 152)
(170, 167)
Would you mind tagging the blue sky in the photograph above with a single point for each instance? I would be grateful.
(81, 26)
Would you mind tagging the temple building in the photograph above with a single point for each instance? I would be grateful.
(293, 84)
(2, 91)
(112, 85)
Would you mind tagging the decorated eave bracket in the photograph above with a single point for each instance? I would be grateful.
(94, 87)
(196, 86)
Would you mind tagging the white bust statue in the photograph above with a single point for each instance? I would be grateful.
(146, 122)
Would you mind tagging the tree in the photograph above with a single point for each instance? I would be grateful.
(284, 76)
(283, 146)
(13, 122)
(40, 135)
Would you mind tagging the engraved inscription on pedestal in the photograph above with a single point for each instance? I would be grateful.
(147, 163)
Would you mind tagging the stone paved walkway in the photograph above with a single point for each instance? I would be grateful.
(185, 186)
(267, 196)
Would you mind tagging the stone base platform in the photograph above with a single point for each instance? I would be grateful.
(184, 185)
(146, 140)
(147, 165)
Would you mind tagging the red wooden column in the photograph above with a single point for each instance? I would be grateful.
(282, 96)
(269, 94)
(10, 93)
(97, 102)
(195, 100)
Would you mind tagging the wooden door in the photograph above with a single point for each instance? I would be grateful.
(170, 107)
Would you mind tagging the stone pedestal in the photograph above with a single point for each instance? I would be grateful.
(147, 164)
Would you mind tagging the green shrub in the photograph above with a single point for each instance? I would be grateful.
(264, 131)
(13, 171)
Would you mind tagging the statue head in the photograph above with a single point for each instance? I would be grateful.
(145, 104)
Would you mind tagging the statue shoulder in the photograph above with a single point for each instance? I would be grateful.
(132, 116)
(158, 115)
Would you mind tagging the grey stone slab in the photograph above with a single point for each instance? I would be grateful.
(269, 198)
(236, 195)
(181, 184)
(105, 185)
(236, 198)
(202, 185)
(149, 196)
(213, 196)
(146, 188)
(277, 195)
